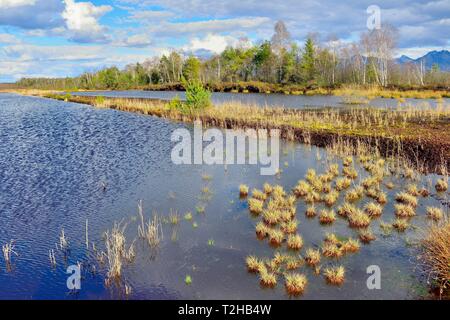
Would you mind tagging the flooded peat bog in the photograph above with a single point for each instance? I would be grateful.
(96, 189)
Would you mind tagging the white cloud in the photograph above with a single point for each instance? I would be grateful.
(82, 20)
(6, 4)
(6, 38)
(212, 42)
(209, 26)
(136, 40)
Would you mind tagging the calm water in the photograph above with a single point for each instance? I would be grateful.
(54, 157)
(270, 100)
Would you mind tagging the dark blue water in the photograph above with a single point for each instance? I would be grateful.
(54, 157)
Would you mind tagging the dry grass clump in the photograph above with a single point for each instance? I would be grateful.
(271, 217)
(381, 198)
(311, 175)
(424, 192)
(310, 211)
(312, 257)
(404, 211)
(262, 231)
(406, 198)
(366, 236)
(295, 284)
(441, 185)
(116, 251)
(412, 190)
(373, 209)
(293, 263)
(434, 213)
(302, 189)
(8, 251)
(290, 227)
(312, 197)
(267, 279)
(354, 194)
(333, 170)
(278, 192)
(335, 275)
(331, 250)
(327, 216)
(350, 246)
(332, 238)
(350, 172)
(294, 242)
(254, 265)
(258, 194)
(243, 190)
(267, 188)
(346, 209)
(400, 224)
(435, 254)
(347, 161)
(343, 183)
(255, 206)
(358, 219)
(331, 198)
(276, 237)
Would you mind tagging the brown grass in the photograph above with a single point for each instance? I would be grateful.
(435, 254)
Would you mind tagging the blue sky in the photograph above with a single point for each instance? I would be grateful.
(53, 38)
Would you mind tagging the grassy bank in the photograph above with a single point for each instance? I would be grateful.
(419, 136)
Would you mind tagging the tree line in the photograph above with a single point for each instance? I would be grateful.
(278, 61)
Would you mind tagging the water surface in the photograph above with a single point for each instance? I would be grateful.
(269, 100)
(54, 156)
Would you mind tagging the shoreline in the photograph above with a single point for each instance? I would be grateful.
(424, 145)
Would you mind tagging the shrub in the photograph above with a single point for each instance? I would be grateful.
(197, 97)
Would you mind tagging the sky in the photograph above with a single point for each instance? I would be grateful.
(55, 38)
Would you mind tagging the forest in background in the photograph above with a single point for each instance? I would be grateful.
(267, 66)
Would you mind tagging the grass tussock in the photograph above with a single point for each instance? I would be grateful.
(8, 250)
(295, 284)
(406, 198)
(401, 225)
(366, 236)
(255, 206)
(116, 251)
(350, 246)
(310, 211)
(295, 242)
(359, 219)
(373, 209)
(327, 216)
(267, 279)
(312, 257)
(435, 254)
(404, 211)
(335, 275)
(435, 214)
(243, 190)
(254, 265)
(441, 185)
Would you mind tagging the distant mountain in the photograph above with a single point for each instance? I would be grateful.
(441, 58)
